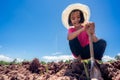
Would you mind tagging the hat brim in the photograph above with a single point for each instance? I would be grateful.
(65, 14)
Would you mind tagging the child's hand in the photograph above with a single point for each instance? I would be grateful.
(90, 28)
(86, 26)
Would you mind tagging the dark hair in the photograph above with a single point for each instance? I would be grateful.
(81, 16)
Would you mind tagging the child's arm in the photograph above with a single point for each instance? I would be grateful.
(94, 38)
(91, 31)
(74, 34)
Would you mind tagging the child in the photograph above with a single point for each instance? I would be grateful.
(75, 18)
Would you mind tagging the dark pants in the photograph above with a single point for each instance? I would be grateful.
(77, 49)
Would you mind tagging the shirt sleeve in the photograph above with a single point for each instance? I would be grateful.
(70, 30)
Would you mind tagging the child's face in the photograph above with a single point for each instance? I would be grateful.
(75, 18)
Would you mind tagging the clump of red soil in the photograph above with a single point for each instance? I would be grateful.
(34, 66)
(35, 70)
(111, 71)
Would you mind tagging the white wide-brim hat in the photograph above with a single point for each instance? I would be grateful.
(65, 14)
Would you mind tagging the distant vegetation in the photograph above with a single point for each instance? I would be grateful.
(117, 57)
(4, 63)
(8, 63)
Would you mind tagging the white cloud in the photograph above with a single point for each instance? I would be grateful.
(107, 58)
(57, 53)
(8, 59)
(19, 60)
(58, 58)
(5, 58)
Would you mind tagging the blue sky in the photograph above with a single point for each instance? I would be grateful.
(33, 28)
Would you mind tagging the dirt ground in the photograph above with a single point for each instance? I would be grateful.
(73, 70)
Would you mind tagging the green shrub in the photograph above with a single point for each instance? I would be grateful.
(4, 63)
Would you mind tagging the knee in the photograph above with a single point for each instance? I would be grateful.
(103, 42)
(73, 41)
